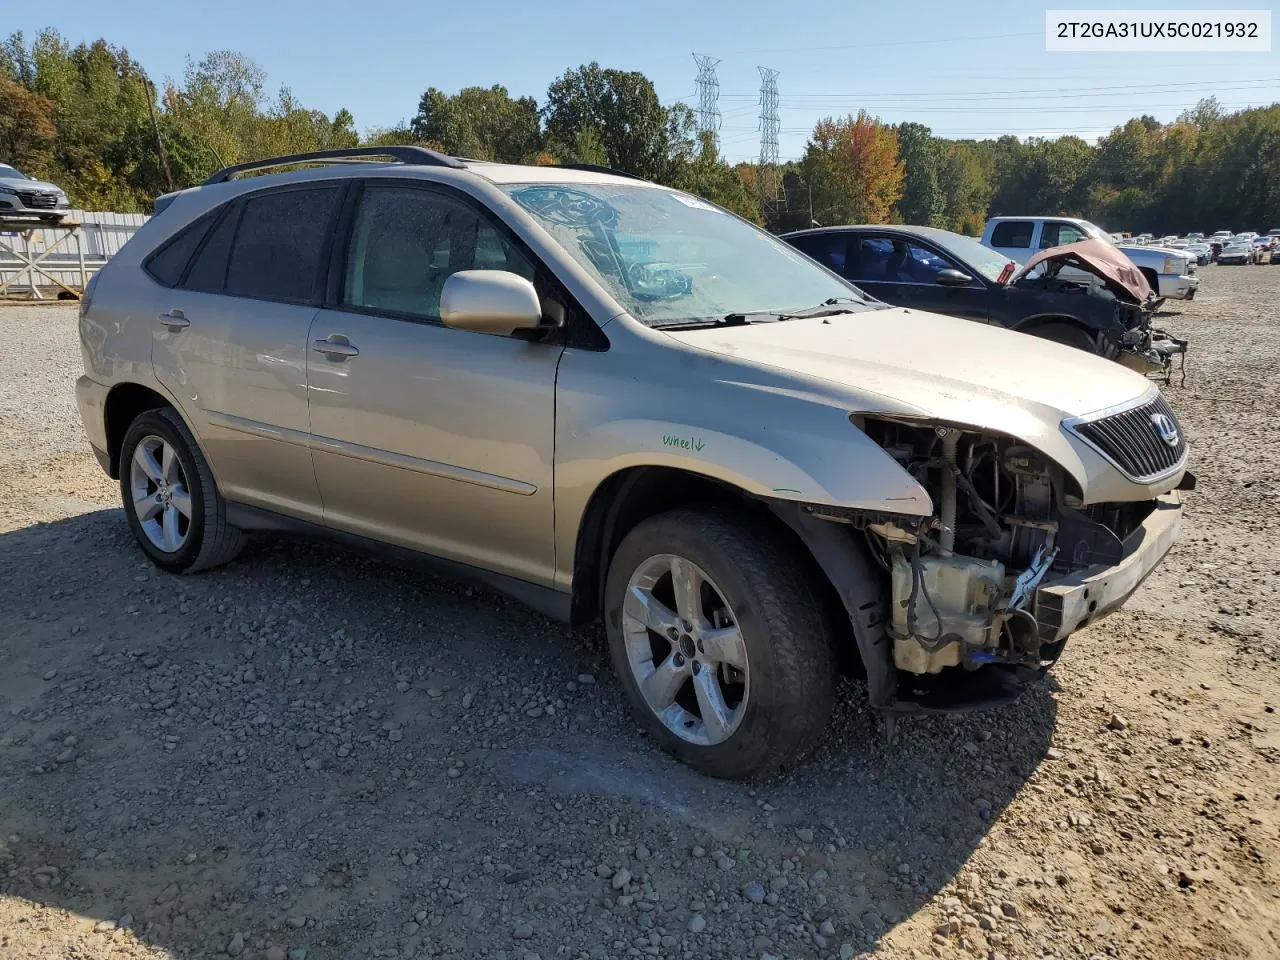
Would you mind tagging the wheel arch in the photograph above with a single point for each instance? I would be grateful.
(632, 495)
(125, 402)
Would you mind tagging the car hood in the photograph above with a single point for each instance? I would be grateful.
(1167, 251)
(915, 364)
(1107, 263)
(43, 186)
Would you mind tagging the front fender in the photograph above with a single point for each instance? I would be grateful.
(766, 443)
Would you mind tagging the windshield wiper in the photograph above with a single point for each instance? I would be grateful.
(826, 308)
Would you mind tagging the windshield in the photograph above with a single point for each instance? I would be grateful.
(969, 251)
(10, 172)
(671, 258)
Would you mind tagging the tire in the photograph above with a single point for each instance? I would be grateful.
(1066, 334)
(791, 667)
(202, 536)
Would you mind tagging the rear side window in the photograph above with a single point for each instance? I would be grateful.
(1056, 234)
(208, 274)
(827, 248)
(167, 264)
(1012, 233)
(277, 250)
(869, 260)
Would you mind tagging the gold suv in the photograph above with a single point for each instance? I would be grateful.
(611, 399)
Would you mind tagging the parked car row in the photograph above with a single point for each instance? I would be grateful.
(616, 401)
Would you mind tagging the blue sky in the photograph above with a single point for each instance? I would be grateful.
(964, 69)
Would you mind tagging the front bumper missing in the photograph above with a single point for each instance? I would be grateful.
(1071, 603)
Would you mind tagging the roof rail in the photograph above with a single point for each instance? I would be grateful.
(404, 154)
(598, 168)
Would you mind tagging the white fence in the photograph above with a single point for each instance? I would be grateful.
(46, 261)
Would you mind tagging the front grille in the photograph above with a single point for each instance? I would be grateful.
(1132, 439)
(38, 201)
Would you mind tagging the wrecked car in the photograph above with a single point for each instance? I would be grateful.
(616, 401)
(1102, 303)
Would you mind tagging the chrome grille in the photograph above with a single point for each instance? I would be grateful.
(38, 201)
(1132, 439)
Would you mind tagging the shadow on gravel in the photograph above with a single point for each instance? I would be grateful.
(313, 750)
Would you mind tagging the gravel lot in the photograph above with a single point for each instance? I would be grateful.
(311, 754)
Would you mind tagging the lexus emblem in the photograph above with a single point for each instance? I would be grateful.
(1167, 429)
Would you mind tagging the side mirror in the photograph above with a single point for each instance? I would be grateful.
(490, 301)
(952, 278)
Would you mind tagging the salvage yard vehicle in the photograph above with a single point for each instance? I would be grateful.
(614, 400)
(1169, 272)
(1236, 252)
(1105, 308)
(23, 197)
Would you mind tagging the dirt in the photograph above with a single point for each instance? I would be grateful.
(312, 754)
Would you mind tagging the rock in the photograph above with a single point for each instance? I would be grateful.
(586, 679)
(396, 735)
(523, 931)
(697, 923)
(104, 926)
(309, 880)
(846, 951)
(1053, 753)
(604, 870)
(621, 878)
(986, 922)
(698, 852)
(1009, 909)
(275, 953)
(1117, 722)
(125, 922)
(236, 946)
(725, 862)
(533, 713)
(754, 891)
(299, 954)
(827, 928)
(805, 835)
(642, 852)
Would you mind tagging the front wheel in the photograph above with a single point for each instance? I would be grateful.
(170, 499)
(1066, 334)
(720, 642)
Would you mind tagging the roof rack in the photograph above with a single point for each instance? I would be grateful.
(598, 168)
(404, 154)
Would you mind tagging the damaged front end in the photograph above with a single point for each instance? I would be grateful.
(979, 584)
(1126, 332)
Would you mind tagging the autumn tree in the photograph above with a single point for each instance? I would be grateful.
(27, 131)
(853, 168)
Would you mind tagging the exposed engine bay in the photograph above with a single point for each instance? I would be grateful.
(963, 582)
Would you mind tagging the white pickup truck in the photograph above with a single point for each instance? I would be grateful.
(1171, 273)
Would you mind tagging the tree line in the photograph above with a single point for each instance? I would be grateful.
(88, 117)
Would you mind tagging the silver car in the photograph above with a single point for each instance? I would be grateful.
(24, 196)
(614, 400)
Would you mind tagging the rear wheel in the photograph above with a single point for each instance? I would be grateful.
(720, 642)
(170, 499)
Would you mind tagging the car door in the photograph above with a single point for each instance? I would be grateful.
(231, 342)
(431, 438)
(924, 281)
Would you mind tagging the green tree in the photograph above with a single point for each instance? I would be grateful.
(712, 179)
(923, 201)
(622, 110)
(479, 122)
(27, 130)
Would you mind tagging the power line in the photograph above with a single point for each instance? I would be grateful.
(708, 95)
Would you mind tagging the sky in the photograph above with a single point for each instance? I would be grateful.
(965, 70)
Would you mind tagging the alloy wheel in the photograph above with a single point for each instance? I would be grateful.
(685, 649)
(160, 497)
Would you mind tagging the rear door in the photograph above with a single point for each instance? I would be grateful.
(231, 340)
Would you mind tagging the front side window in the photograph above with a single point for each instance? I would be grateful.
(869, 260)
(277, 249)
(1057, 234)
(671, 258)
(405, 243)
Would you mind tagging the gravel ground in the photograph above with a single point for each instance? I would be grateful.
(311, 754)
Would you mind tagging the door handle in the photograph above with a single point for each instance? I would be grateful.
(175, 320)
(336, 347)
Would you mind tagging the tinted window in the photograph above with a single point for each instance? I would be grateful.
(1057, 234)
(828, 249)
(869, 259)
(279, 243)
(167, 264)
(405, 243)
(208, 273)
(1012, 233)
(922, 265)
